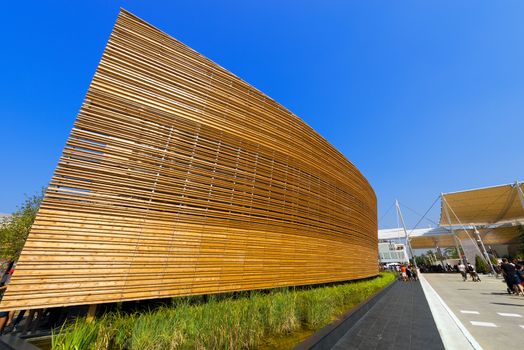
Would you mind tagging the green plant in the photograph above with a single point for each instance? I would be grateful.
(84, 336)
(480, 265)
(451, 253)
(422, 260)
(223, 322)
(14, 230)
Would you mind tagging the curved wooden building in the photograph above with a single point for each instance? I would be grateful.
(179, 178)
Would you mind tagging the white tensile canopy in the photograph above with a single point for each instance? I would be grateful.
(484, 206)
(485, 216)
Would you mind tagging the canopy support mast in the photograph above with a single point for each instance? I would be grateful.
(521, 195)
(484, 251)
(462, 257)
(466, 231)
(408, 243)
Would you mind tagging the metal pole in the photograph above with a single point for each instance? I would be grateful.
(521, 195)
(466, 231)
(484, 250)
(439, 254)
(455, 237)
(408, 243)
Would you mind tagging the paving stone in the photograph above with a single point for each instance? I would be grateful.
(401, 319)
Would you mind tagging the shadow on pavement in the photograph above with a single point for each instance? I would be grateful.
(508, 304)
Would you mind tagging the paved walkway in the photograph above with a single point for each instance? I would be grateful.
(494, 318)
(401, 319)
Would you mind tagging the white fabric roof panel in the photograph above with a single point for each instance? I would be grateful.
(483, 206)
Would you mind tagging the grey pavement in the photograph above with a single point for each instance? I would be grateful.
(401, 319)
(494, 318)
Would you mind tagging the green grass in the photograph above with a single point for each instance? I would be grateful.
(223, 322)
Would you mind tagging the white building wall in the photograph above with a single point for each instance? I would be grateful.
(392, 253)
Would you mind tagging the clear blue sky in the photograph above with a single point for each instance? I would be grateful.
(422, 96)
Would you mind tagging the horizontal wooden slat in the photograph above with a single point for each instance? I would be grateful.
(179, 178)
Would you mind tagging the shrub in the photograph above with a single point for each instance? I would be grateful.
(224, 322)
(480, 265)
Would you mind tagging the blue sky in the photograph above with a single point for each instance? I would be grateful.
(422, 96)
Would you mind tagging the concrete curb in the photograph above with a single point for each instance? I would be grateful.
(453, 333)
(11, 342)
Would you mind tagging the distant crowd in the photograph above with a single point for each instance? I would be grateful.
(405, 272)
(512, 270)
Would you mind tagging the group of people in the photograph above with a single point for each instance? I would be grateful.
(468, 269)
(511, 270)
(513, 273)
(407, 273)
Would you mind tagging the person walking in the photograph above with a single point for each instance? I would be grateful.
(509, 272)
(414, 274)
(404, 273)
(398, 272)
(474, 275)
(520, 273)
(462, 270)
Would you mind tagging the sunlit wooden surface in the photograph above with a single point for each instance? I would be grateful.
(179, 178)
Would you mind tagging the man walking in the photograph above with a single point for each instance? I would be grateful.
(474, 276)
(510, 275)
(462, 270)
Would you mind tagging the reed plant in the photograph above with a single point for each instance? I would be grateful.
(221, 322)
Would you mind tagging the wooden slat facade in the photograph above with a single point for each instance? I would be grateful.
(179, 178)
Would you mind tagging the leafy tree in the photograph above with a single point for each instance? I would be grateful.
(451, 253)
(422, 260)
(14, 230)
(480, 265)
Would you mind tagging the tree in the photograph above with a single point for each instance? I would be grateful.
(480, 265)
(451, 253)
(422, 260)
(493, 260)
(14, 230)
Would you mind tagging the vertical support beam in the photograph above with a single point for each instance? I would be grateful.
(439, 254)
(484, 250)
(408, 243)
(435, 255)
(519, 192)
(91, 313)
(455, 237)
(457, 247)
